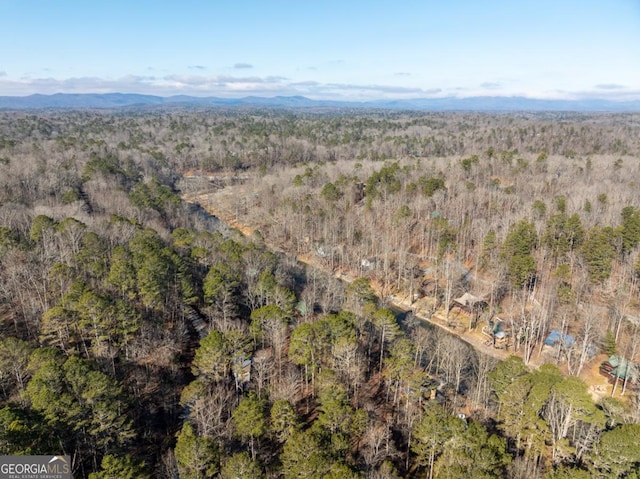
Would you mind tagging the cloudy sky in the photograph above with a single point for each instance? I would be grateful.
(323, 49)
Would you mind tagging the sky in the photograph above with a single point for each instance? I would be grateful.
(342, 50)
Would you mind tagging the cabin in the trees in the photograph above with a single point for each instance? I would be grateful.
(566, 343)
(557, 338)
(241, 369)
(621, 369)
(470, 304)
(564, 346)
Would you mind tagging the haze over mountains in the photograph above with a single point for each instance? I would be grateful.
(479, 103)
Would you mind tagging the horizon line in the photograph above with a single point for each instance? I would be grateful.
(332, 99)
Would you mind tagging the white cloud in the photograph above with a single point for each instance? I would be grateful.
(611, 92)
(609, 86)
(242, 66)
(238, 86)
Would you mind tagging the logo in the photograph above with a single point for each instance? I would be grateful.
(35, 467)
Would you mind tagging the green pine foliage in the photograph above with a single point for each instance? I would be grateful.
(197, 457)
(516, 252)
(599, 251)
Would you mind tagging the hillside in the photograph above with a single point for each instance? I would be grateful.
(145, 338)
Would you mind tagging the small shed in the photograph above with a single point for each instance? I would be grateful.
(368, 263)
(498, 336)
(301, 308)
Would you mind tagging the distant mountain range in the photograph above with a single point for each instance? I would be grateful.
(481, 103)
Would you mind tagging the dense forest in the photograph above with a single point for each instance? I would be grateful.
(145, 338)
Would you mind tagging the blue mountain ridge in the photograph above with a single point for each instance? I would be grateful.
(480, 103)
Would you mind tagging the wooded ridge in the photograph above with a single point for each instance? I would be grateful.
(145, 338)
